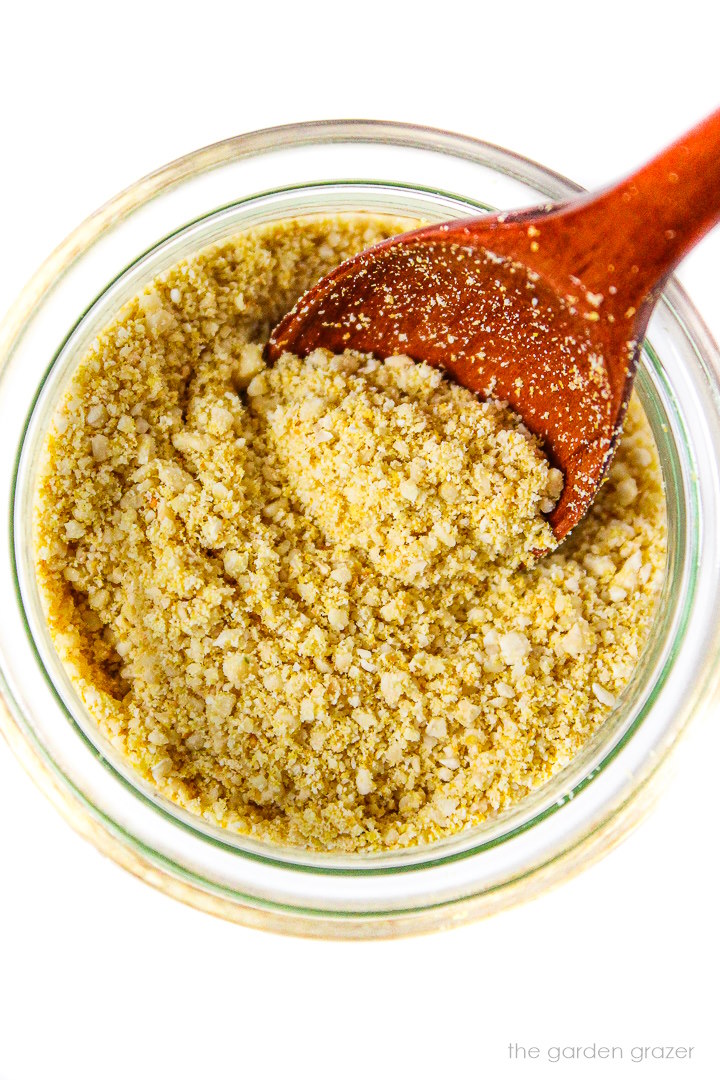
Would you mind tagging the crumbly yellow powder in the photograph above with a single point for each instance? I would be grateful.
(405, 466)
(300, 601)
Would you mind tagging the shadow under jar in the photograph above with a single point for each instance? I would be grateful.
(221, 191)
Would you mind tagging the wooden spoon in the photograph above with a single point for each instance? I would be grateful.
(543, 308)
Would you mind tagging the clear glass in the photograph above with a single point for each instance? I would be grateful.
(217, 192)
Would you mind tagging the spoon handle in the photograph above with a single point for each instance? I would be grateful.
(640, 229)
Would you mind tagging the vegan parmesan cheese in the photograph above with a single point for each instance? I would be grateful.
(305, 601)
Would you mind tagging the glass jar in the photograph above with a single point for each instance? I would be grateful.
(205, 197)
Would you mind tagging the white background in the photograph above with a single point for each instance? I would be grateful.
(100, 977)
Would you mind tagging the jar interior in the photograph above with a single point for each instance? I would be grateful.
(666, 423)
